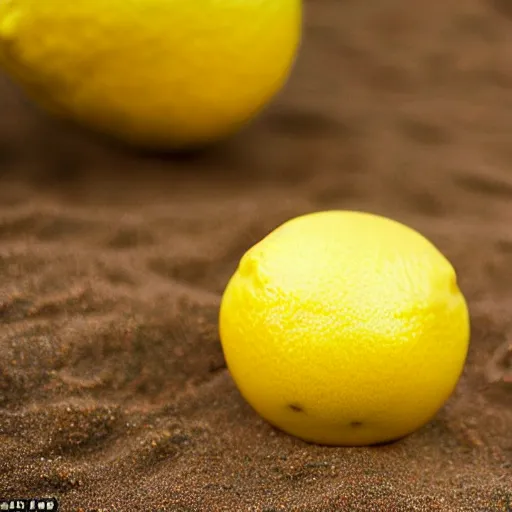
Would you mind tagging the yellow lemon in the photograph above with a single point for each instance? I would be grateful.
(152, 72)
(345, 328)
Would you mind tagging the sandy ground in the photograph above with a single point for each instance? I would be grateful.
(113, 389)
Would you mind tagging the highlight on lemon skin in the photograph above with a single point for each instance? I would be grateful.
(344, 328)
(155, 73)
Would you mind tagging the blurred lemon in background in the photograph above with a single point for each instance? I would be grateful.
(152, 72)
(345, 328)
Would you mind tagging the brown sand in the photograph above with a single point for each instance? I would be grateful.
(113, 390)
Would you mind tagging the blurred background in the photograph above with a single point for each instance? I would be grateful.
(113, 389)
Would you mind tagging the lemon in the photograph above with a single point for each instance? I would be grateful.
(152, 72)
(344, 328)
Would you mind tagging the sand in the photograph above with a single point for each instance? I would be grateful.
(114, 393)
